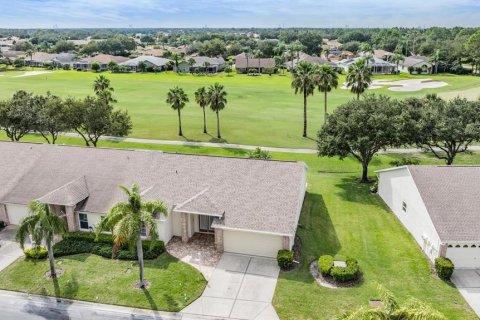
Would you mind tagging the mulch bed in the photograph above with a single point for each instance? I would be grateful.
(328, 282)
(296, 248)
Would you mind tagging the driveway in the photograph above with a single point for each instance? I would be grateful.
(9, 248)
(468, 283)
(240, 287)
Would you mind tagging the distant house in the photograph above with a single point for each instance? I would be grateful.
(11, 55)
(439, 206)
(383, 54)
(308, 58)
(378, 66)
(256, 65)
(201, 65)
(331, 44)
(64, 58)
(337, 55)
(242, 55)
(39, 59)
(151, 52)
(416, 65)
(151, 63)
(6, 44)
(102, 59)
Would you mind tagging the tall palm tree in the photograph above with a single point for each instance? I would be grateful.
(326, 80)
(397, 57)
(435, 58)
(177, 98)
(42, 225)
(258, 54)
(412, 309)
(201, 98)
(29, 53)
(103, 89)
(126, 220)
(367, 50)
(176, 57)
(304, 82)
(359, 77)
(217, 99)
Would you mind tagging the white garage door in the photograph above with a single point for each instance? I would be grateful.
(465, 257)
(252, 243)
(16, 213)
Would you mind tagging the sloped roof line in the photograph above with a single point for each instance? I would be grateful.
(213, 208)
(68, 194)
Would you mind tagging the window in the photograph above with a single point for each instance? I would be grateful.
(404, 206)
(143, 231)
(83, 220)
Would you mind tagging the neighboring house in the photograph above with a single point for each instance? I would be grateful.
(331, 44)
(439, 206)
(378, 66)
(257, 65)
(242, 55)
(337, 55)
(151, 52)
(6, 44)
(416, 64)
(151, 63)
(12, 55)
(64, 58)
(201, 64)
(38, 59)
(102, 59)
(251, 206)
(383, 54)
(306, 57)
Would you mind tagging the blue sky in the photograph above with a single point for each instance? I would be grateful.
(238, 13)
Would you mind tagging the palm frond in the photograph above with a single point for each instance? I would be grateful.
(388, 299)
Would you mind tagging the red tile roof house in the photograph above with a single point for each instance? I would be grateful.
(251, 206)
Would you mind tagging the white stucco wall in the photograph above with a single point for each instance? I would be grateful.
(252, 243)
(16, 212)
(397, 186)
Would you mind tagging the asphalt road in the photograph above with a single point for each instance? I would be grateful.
(15, 306)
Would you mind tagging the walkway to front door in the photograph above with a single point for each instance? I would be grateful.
(240, 287)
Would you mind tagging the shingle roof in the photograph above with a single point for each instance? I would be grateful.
(159, 62)
(254, 63)
(451, 196)
(200, 203)
(254, 194)
(414, 60)
(200, 61)
(104, 58)
(69, 194)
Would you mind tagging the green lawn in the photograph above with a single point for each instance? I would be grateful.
(173, 284)
(342, 216)
(261, 110)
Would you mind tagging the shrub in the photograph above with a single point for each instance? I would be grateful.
(285, 259)
(68, 247)
(348, 273)
(89, 236)
(404, 162)
(444, 268)
(36, 253)
(325, 265)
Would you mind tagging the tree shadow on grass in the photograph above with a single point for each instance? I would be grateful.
(353, 191)
(149, 297)
(317, 233)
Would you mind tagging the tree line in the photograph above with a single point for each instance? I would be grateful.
(214, 97)
(49, 115)
(361, 128)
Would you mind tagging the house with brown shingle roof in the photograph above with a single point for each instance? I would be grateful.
(251, 206)
(256, 65)
(439, 206)
(102, 59)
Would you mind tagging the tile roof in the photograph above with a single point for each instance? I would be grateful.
(450, 194)
(255, 195)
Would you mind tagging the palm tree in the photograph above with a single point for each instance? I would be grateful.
(126, 220)
(397, 57)
(367, 50)
(176, 59)
(103, 89)
(142, 66)
(304, 81)
(42, 225)
(217, 99)
(201, 98)
(177, 98)
(326, 80)
(412, 309)
(359, 77)
(191, 62)
(206, 64)
(435, 58)
(258, 54)
(29, 53)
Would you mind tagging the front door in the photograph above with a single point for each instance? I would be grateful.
(205, 223)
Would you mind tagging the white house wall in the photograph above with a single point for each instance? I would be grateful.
(16, 213)
(397, 186)
(252, 243)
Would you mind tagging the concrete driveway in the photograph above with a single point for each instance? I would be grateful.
(240, 287)
(9, 248)
(468, 283)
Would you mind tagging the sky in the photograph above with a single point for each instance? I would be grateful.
(237, 13)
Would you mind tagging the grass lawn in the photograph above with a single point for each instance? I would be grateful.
(342, 216)
(261, 110)
(173, 284)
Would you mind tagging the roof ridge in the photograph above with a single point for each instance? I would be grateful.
(193, 198)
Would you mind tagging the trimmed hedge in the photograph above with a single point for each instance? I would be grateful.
(36, 253)
(84, 242)
(444, 268)
(285, 259)
(348, 273)
(325, 265)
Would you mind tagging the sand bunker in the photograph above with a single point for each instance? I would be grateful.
(405, 85)
(32, 73)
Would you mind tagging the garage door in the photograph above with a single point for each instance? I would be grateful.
(16, 213)
(465, 257)
(252, 243)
